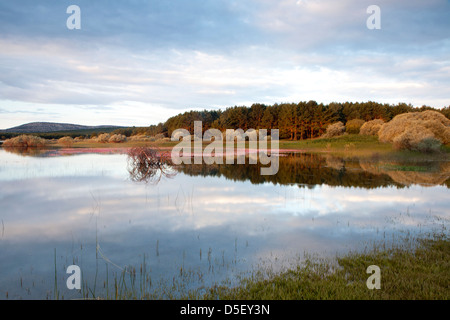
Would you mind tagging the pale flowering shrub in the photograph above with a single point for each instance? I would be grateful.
(103, 138)
(409, 130)
(117, 138)
(66, 141)
(334, 130)
(371, 128)
(25, 141)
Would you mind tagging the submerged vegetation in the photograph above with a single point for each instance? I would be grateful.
(413, 270)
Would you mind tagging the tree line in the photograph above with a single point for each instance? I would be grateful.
(295, 121)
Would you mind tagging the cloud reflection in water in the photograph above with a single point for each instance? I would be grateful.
(84, 200)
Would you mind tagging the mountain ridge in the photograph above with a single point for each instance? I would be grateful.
(42, 127)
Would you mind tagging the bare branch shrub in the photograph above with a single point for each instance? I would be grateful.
(149, 165)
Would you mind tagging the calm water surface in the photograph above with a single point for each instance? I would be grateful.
(214, 221)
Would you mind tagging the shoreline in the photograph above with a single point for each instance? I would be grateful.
(350, 146)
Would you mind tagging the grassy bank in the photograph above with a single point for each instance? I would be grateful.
(406, 274)
(351, 145)
(355, 145)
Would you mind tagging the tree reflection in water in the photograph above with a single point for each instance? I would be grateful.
(310, 170)
(26, 151)
(149, 165)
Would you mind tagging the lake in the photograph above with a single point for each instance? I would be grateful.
(202, 224)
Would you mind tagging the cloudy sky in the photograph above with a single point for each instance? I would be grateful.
(139, 62)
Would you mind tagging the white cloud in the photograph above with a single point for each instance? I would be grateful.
(222, 55)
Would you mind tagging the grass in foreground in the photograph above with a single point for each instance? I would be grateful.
(414, 270)
(406, 274)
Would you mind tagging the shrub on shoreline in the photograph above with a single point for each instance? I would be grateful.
(25, 141)
(117, 138)
(66, 141)
(354, 126)
(429, 145)
(371, 128)
(103, 138)
(416, 131)
(334, 130)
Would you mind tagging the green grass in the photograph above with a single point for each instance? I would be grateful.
(351, 145)
(360, 146)
(446, 148)
(339, 142)
(416, 269)
(406, 274)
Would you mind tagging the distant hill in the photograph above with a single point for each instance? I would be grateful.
(42, 127)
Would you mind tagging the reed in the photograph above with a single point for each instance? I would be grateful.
(414, 270)
(413, 267)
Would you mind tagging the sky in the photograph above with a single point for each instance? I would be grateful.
(137, 63)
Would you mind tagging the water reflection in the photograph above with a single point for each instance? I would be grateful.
(215, 219)
(426, 174)
(304, 169)
(33, 152)
(309, 170)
